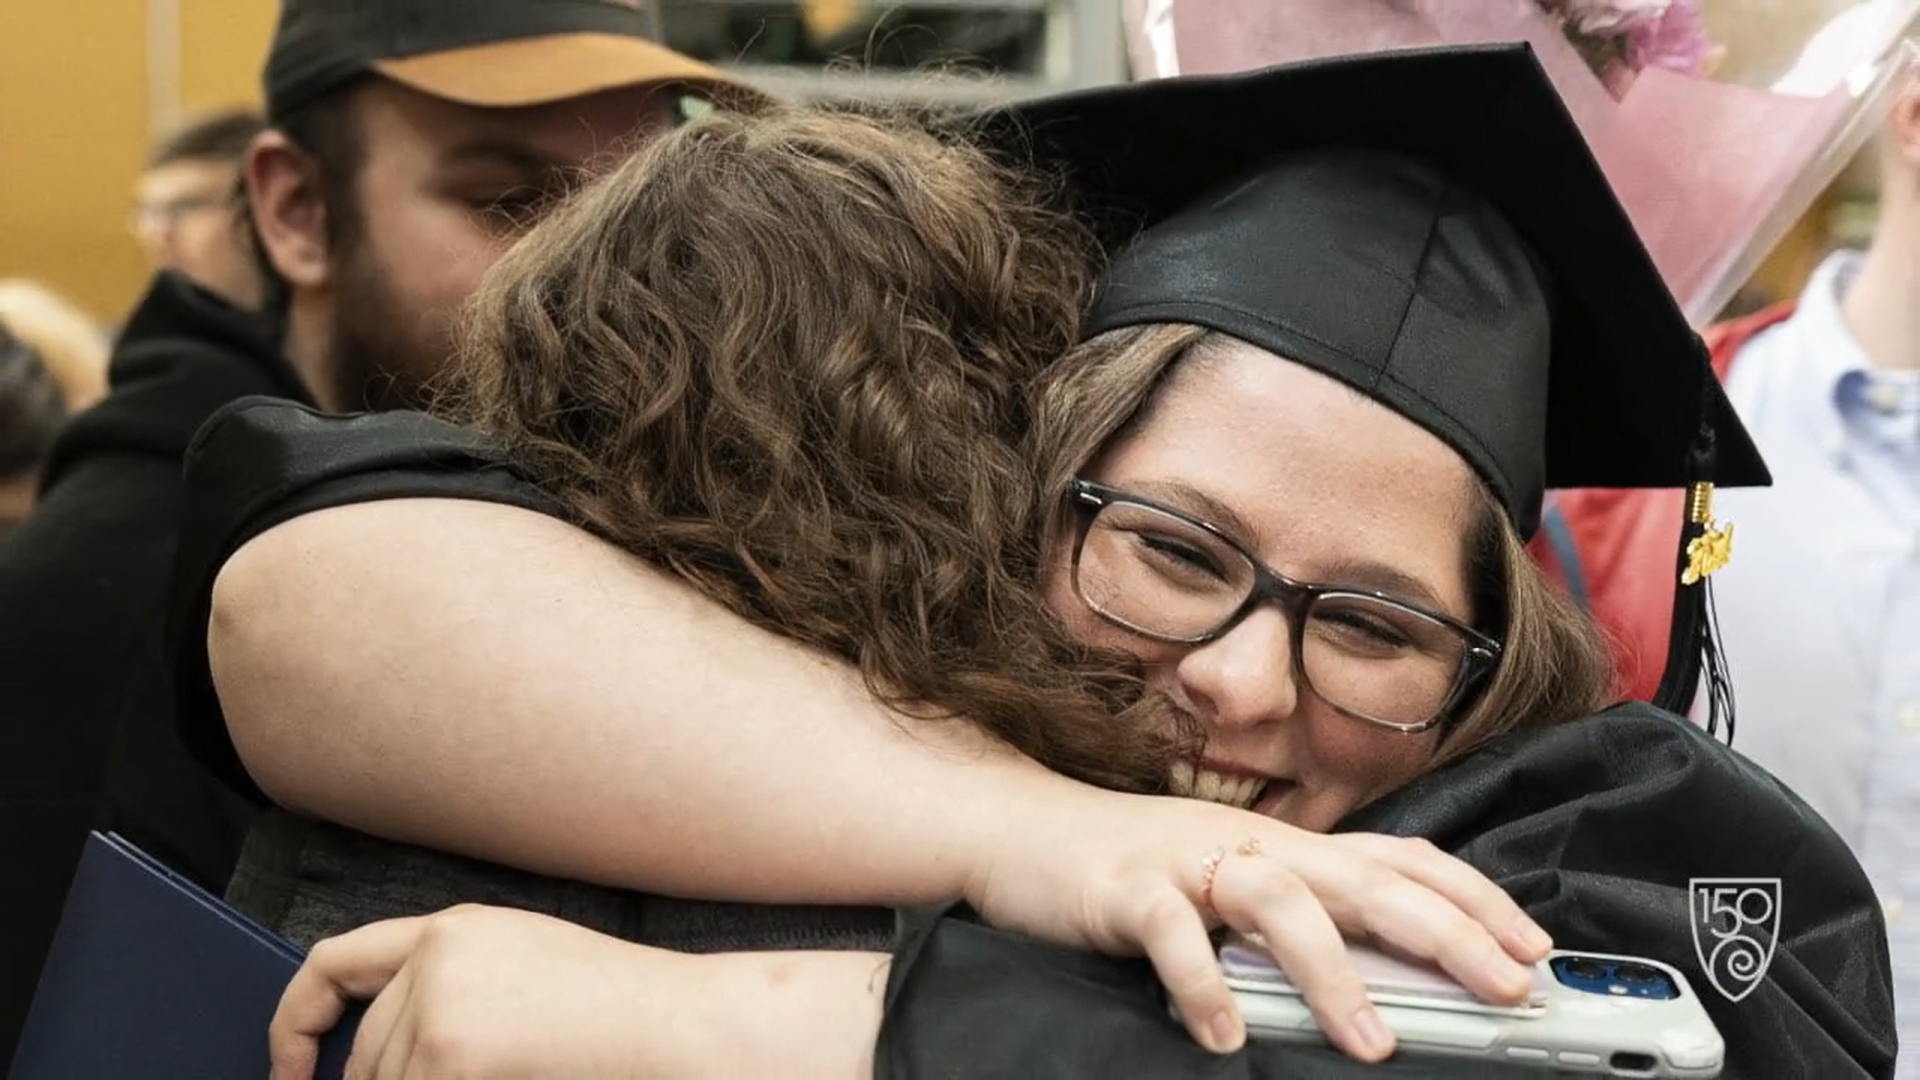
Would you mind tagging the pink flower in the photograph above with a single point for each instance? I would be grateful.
(1609, 17)
(1676, 40)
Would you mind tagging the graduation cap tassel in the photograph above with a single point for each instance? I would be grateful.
(1713, 667)
(1693, 647)
(1681, 679)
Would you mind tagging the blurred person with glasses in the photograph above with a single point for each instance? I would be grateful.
(186, 211)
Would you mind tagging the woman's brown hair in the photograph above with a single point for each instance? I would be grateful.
(1555, 665)
(787, 358)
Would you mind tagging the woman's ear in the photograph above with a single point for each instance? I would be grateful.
(284, 195)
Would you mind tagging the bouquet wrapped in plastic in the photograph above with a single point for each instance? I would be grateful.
(1714, 147)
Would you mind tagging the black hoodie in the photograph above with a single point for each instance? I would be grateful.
(87, 737)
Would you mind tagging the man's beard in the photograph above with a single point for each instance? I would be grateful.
(380, 359)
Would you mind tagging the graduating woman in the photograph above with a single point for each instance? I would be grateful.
(1378, 307)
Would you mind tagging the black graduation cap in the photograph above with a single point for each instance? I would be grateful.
(1428, 226)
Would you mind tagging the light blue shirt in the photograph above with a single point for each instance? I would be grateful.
(1820, 607)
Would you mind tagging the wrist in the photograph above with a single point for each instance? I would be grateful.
(799, 1014)
(1018, 810)
(1026, 835)
(676, 1014)
(972, 797)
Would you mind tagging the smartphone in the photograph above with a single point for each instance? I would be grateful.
(1587, 1013)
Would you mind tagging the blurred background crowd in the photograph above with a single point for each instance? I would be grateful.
(137, 168)
(117, 116)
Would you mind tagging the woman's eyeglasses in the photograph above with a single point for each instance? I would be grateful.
(1166, 575)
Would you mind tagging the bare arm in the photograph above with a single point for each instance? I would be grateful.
(487, 992)
(496, 683)
(493, 682)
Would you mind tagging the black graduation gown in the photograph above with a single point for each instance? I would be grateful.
(1596, 827)
(87, 738)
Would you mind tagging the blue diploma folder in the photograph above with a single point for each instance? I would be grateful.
(152, 976)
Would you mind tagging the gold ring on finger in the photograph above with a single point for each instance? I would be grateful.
(1209, 867)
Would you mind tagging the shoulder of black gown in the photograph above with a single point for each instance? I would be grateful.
(1597, 827)
(965, 999)
(259, 462)
(1600, 827)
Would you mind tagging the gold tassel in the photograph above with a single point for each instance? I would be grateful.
(1713, 548)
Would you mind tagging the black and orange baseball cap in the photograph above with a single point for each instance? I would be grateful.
(489, 53)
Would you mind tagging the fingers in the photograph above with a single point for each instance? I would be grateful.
(1261, 895)
(1376, 887)
(1419, 922)
(1175, 940)
(356, 965)
(1482, 900)
(382, 1045)
(1302, 892)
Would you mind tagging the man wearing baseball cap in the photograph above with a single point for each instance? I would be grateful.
(414, 139)
(409, 143)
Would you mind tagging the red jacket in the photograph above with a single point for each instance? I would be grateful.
(1615, 548)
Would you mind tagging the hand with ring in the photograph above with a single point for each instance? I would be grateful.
(1152, 875)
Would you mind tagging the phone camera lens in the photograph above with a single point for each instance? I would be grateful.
(1637, 975)
(1586, 969)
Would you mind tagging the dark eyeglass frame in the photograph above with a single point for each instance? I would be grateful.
(1293, 598)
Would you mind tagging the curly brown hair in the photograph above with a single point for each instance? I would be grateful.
(786, 357)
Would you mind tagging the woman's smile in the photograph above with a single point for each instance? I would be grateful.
(1226, 783)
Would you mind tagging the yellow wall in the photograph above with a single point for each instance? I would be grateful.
(222, 45)
(75, 117)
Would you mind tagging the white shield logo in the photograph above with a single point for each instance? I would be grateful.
(1736, 922)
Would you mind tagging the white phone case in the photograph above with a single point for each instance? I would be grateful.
(1560, 1028)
